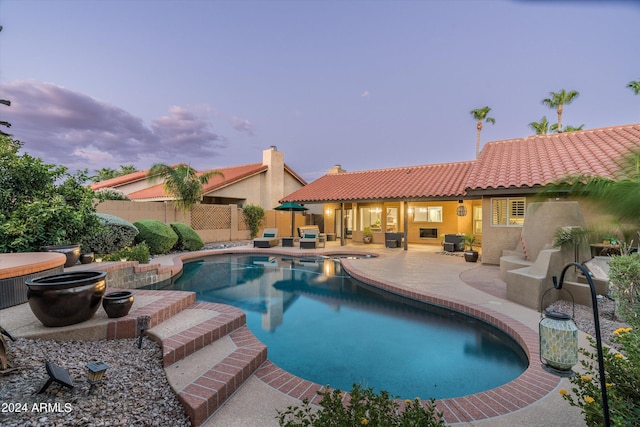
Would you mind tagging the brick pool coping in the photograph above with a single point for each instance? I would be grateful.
(532, 385)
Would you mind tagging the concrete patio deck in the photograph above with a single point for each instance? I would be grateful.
(421, 272)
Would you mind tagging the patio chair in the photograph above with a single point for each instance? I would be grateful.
(269, 239)
(309, 239)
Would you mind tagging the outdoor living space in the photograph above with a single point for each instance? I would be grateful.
(531, 399)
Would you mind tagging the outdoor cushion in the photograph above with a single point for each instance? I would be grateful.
(309, 236)
(268, 235)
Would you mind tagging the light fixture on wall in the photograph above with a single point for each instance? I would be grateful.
(462, 210)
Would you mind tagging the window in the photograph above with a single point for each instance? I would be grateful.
(392, 219)
(428, 214)
(477, 220)
(508, 211)
(371, 217)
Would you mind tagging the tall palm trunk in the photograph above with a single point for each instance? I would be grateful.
(560, 118)
(479, 127)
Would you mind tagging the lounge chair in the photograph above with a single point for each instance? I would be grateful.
(309, 239)
(269, 239)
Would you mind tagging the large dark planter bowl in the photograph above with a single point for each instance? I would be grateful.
(72, 252)
(63, 299)
(117, 304)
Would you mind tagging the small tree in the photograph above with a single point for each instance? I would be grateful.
(183, 182)
(253, 215)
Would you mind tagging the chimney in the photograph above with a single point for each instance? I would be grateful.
(274, 182)
(336, 169)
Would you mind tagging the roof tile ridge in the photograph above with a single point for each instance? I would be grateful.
(428, 165)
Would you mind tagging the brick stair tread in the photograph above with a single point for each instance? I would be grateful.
(189, 369)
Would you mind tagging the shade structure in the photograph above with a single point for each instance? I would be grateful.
(291, 207)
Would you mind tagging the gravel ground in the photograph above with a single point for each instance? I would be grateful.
(134, 392)
(584, 317)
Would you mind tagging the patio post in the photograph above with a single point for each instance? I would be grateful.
(406, 224)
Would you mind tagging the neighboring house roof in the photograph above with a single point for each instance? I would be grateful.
(520, 164)
(412, 182)
(232, 174)
(119, 180)
(542, 159)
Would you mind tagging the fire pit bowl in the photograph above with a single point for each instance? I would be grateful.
(117, 304)
(63, 299)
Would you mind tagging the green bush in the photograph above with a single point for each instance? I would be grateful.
(41, 204)
(188, 239)
(621, 363)
(139, 252)
(114, 234)
(253, 216)
(156, 234)
(364, 407)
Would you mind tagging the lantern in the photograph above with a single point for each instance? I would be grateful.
(95, 374)
(558, 342)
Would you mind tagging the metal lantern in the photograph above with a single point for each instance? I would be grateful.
(558, 341)
(95, 374)
(462, 210)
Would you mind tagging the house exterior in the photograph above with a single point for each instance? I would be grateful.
(487, 197)
(262, 184)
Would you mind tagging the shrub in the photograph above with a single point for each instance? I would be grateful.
(111, 194)
(622, 366)
(114, 234)
(253, 215)
(40, 204)
(364, 407)
(188, 239)
(139, 252)
(156, 234)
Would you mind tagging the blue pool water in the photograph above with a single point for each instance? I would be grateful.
(323, 326)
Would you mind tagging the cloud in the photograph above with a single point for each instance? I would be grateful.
(72, 129)
(241, 125)
(365, 94)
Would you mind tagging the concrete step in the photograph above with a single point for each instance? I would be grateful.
(208, 354)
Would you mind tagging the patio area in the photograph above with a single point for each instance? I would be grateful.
(426, 273)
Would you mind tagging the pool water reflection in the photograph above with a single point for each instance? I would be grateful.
(323, 326)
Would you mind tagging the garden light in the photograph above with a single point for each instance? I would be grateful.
(96, 373)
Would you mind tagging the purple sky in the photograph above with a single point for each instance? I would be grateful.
(367, 84)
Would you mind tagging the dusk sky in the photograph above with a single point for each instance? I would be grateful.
(364, 84)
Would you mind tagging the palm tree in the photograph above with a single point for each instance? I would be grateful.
(480, 115)
(182, 182)
(126, 170)
(634, 85)
(621, 197)
(541, 127)
(558, 100)
(570, 128)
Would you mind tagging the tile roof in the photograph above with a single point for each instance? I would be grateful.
(232, 174)
(515, 163)
(119, 180)
(439, 180)
(542, 159)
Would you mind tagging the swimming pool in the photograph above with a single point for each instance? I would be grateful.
(323, 326)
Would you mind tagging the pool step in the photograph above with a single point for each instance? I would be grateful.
(208, 353)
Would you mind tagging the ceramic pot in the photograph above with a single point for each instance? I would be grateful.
(72, 252)
(63, 299)
(86, 258)
(471, 256)
(117, 304)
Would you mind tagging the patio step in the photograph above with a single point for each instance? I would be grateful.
(208, 353)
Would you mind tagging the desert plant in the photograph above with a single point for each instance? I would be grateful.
(363, 407)
(624, 275)
(470, 240)
(188, 239)
(253, 216)
(114, 234)
(156, 234)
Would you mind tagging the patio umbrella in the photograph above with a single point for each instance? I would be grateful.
(291, 207)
